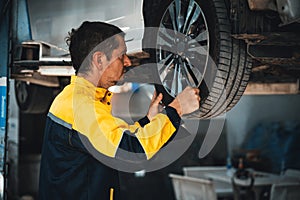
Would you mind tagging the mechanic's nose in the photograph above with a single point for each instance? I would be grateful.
(127, 61)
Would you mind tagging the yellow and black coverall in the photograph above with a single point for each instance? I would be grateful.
(80, 127)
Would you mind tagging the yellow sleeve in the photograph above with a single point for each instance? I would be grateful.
(105, 131)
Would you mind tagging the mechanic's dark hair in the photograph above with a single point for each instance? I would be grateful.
(89, 38)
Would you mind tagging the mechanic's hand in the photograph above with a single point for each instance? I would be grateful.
(187, 101)
(155, 106)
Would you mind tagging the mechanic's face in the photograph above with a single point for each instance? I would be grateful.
(115, 69)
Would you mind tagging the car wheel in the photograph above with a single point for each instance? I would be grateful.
(32, 98)
(194, 47)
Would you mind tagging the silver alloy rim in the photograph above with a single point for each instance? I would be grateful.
(182, 46)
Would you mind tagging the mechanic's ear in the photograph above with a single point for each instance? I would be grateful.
(97, 59)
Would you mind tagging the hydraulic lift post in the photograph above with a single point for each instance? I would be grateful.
(14, 28)
(4, 62)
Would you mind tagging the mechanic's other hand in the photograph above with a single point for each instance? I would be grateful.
(155, 106)
(187, 101)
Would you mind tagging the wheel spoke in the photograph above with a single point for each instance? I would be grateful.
(174, 80)
(164, 38)
(202, 37)
(163, 41)
(178, 14)
(190, 71)
(165, 31)
(179, 83)
(188, 15)
(196, 15)
(164, 64)
(202, 50)
(167, 80)
(173, 17)
(186, 74)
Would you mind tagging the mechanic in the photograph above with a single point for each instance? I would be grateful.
(80, 125)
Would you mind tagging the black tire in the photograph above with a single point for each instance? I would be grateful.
(223, 78)
(32, 98)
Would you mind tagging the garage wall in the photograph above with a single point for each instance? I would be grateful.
(253, 109)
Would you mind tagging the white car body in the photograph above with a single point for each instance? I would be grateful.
(53, 27)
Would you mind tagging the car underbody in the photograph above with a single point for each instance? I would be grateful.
(250, 41)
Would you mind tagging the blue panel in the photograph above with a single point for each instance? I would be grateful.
(4, 31)
(3, 90)
(4, 46)
(23, 23)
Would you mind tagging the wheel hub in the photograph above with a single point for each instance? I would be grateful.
(181, 46)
